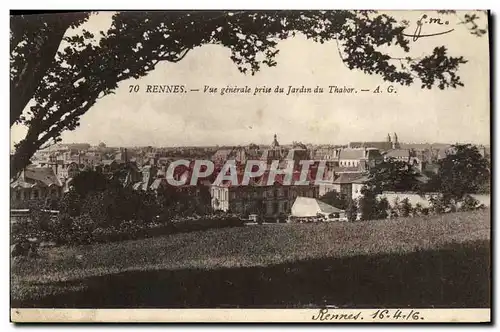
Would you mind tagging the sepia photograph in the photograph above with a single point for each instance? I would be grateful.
(250, 166)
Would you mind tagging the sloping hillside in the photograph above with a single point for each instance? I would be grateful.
(433, 259)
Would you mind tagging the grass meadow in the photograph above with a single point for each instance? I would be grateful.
(432, 261)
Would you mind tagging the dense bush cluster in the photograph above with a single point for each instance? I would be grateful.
(99, 210)
(83, 229)
(379, 208)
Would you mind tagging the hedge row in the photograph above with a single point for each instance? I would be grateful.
(66, 230)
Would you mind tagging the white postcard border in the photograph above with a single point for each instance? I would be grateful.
(403, 315)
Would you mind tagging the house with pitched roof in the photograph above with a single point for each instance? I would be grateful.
(363, 158)
(36, 183)
(399, 154)
(342, 184)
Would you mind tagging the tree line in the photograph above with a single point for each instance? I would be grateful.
(462, 172)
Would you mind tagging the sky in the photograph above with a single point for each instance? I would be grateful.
(196, 118)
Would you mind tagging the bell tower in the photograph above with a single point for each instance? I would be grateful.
(275, 143)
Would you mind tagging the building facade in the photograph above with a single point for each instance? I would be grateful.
(36, 183)
(259, 198)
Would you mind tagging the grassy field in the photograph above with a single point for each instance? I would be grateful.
(419, 262)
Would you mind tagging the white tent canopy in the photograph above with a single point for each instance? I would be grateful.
(311, 207)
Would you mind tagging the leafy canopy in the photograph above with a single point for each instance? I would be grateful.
(62, 75)
(463, 171)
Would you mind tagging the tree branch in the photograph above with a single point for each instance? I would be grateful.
(23, 88)
(340, 52)
(55, 131)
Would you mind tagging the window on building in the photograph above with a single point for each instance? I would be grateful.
(275, 207)
(18, 195)
(35, 194)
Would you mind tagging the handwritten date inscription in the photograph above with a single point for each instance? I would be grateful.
(379, 315)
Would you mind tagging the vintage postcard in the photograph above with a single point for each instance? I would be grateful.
(250, 166)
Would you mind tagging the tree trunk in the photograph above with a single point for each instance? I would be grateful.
(24, 151)
(19, 160)
(23, 87)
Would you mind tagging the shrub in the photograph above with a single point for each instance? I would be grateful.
(352, 210)
(206, 222)
(440, 204)
(62, 225)
(372, 208)
(382, 206)
(404, 208)
(100, 234)
(417, 210)
(71, 203)
(81, 230)
(469, 203)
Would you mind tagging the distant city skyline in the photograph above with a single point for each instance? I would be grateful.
(266, 144)
(197, 119)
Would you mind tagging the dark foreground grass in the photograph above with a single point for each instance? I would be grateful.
(437, 261)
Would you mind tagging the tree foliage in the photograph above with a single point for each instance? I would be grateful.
(463, 171)
(469, 203)
(34, 41)
(352, 210)
(88, 181)
(392, 175)
(62, 74)
(404, 208)
(335, 199)
(371, 207)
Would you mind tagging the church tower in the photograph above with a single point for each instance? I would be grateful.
(275, 143)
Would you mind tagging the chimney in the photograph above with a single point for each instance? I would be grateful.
(126, 156)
